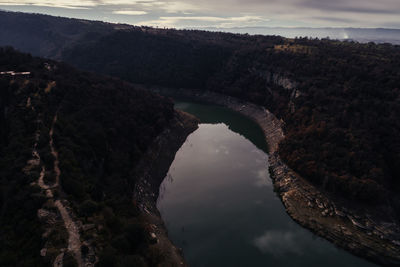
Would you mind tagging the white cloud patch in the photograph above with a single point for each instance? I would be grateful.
(123, 2)
(229, 13)
(180, 7)
(278, 243)
(129, 12)
(262, 178)
(69, 4)
(222, 22)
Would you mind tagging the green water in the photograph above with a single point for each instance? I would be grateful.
(219, 206)
(211, 114)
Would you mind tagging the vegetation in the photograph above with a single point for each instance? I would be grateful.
(344, 134)
(340, 102)
(104, 126)
(341, 130)
(46, 35)
(341, 127)
(20, 229)
(126, 55)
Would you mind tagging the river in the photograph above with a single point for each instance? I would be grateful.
(219, 206)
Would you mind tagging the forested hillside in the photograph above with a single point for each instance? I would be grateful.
(339, 100)
(46, 36)
(102, 127)
(126, 54)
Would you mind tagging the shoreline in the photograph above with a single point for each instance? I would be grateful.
(152, 170)
(358, 229)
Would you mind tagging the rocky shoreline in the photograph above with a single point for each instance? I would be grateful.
(371, 233)
(152, 170)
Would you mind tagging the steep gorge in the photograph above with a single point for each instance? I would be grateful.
(338, 102)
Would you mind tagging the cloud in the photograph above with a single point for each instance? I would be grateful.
(262, 178)
(123, 2)
(170, 21)
(180, 7)
(333, 19)
(69, 4)
(354, 6)
(129, 12)
(279, 243)
(217, 19)
(232, 13)
(78, 3)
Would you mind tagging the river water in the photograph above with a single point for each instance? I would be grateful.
(219, 205)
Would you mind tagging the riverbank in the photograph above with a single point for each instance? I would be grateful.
(152, 170)
(367, 232)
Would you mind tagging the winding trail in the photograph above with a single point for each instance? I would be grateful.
(54, 152)
(74, 242)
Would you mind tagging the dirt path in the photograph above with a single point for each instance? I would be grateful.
(42, 185)
(74, 242)
(58, 262)
(54, 152)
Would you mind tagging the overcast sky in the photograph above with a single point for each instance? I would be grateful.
(222, 13)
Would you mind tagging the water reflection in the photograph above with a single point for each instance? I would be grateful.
(279, 243)
(219, 206)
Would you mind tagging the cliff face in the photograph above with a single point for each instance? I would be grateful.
(280, 81)
(286, 83)
(152, 170)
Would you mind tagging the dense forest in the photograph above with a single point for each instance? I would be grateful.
(125, 54)
(20, 235)
(341, 127)
(339, 100)
(104, 126)
(43, 35)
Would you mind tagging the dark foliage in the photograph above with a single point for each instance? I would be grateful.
(20, 235)
(342, 132)
(44, 35)
(104, 126)
(126, 54)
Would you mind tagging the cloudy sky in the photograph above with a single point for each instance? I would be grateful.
(222, 13)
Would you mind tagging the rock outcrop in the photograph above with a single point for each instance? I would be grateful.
(152, 170)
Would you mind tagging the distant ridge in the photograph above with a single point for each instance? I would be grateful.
(362, 35)
(82, 26)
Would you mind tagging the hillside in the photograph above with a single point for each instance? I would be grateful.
(46, 36)
(362, 35)
(339, 100)
(71, 144)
